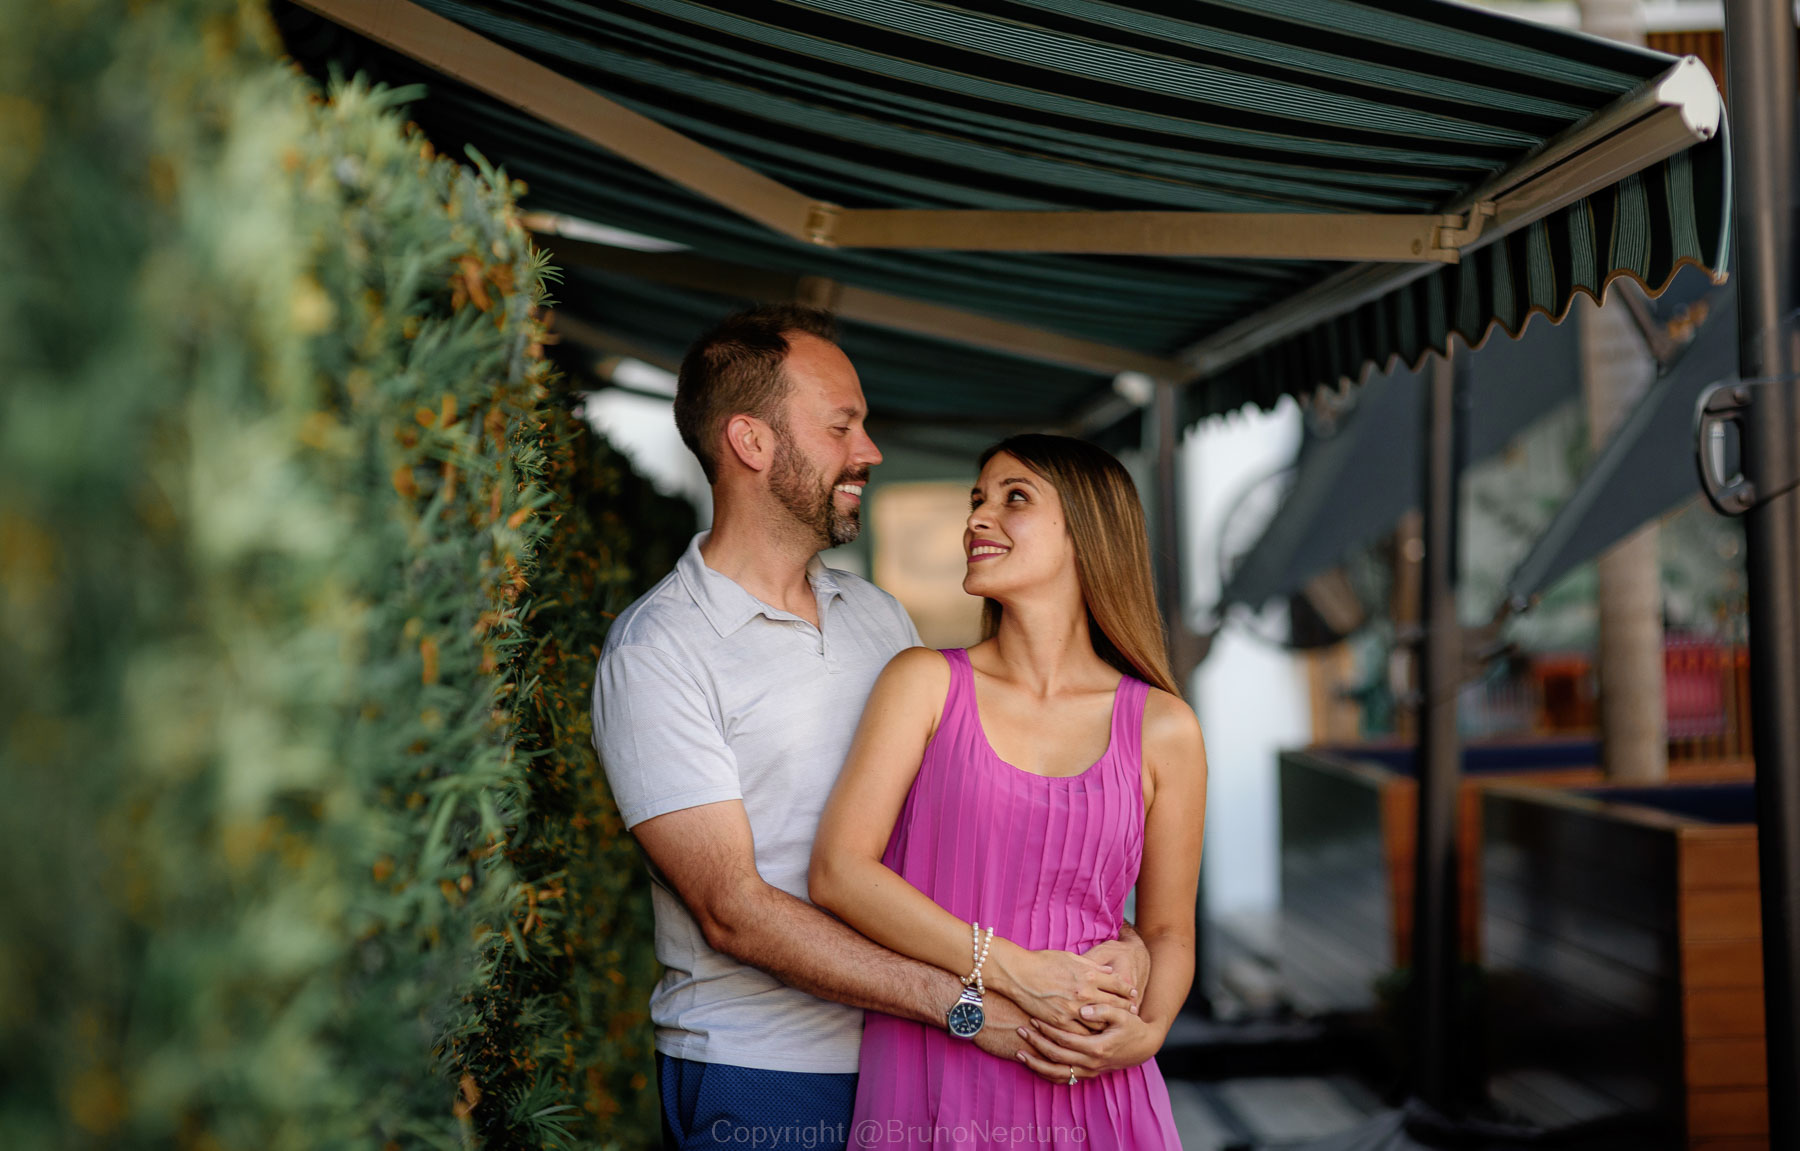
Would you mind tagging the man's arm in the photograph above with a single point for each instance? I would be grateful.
(676, 783)
(708, 855)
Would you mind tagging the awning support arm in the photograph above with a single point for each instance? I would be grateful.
(881, 309)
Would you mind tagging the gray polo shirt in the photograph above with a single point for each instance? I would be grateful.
(705, 693)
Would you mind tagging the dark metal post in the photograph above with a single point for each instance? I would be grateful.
(1165, 415)
(1760, 71)
(1435, 941)
(1165, 541)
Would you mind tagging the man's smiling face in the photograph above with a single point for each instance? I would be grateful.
(823, 453)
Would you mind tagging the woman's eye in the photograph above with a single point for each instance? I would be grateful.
(1016, 493)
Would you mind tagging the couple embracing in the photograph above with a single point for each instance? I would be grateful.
(870, 856)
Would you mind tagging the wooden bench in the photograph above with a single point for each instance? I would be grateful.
(1622, 956)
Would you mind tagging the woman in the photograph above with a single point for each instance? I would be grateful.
(999, 804)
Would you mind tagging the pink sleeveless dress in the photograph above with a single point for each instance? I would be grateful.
(1048, 863)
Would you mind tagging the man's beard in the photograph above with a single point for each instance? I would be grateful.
(808, 497)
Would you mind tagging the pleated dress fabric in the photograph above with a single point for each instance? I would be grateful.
(1047, 862)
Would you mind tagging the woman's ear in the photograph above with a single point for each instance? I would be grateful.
(751, 440)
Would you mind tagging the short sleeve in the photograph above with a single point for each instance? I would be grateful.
(906, 624)
(658, 740)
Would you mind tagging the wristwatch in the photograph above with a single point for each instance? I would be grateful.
(966, 1016)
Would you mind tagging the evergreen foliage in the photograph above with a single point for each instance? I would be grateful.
(302, 557)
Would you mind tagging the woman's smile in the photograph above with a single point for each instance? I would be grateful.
(986, 550)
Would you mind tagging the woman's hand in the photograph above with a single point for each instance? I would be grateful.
(1054, 986)
(1127, 956)
(1124, 1040)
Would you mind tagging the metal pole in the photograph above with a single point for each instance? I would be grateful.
(1760, 72)
(1165, 418)
(1165, 415)
(1435, 937)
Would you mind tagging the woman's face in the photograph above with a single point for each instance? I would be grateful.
(1015, 537)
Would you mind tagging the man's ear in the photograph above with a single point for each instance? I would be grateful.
(751, 440)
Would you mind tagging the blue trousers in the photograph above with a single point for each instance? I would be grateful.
(715, 1106)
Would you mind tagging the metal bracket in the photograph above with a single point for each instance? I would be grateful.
(1469, 229)
(821, 224)
(1721, 406)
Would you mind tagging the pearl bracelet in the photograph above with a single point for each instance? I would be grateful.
(980, 948)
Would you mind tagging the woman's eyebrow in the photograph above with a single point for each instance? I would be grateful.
(976, 490)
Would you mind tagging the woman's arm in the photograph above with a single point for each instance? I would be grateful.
(848, 878)
(1174, 825)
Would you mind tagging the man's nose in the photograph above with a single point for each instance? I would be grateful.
(866, 452)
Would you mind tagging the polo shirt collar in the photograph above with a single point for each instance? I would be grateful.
(725, 603)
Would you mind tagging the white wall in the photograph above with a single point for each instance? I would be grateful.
(1251, 697)
(643, 428)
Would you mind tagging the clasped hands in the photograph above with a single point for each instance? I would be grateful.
(1081, 1010)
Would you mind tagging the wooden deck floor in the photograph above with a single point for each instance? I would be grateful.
(1266, 1113)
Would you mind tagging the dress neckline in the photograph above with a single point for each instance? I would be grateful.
(1112, 728)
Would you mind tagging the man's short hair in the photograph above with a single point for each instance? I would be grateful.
(735, 369)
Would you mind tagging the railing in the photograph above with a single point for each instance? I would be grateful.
(1706, 694)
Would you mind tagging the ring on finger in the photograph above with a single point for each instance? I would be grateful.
(1071, 1076)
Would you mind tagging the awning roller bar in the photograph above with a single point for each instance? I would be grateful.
(1674, 111)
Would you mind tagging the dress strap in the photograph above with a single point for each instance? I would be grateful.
(959, 701)
(1128, 721)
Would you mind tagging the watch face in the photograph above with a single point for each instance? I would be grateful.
(965, 1019)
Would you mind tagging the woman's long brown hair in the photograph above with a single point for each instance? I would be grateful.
(1112, 552)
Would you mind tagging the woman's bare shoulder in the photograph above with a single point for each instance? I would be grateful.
(917, 669)
(1171, 729)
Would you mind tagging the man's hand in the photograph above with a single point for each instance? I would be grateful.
(1128, 957)
(999, 1035)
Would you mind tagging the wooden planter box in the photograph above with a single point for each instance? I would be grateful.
(1349, 822)
(1622, 958)
(1348, 826)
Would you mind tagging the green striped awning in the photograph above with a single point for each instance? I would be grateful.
(1295, 108)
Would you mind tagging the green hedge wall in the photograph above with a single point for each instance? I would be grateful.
(304, 558)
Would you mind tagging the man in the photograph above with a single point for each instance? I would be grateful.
(724, 706)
